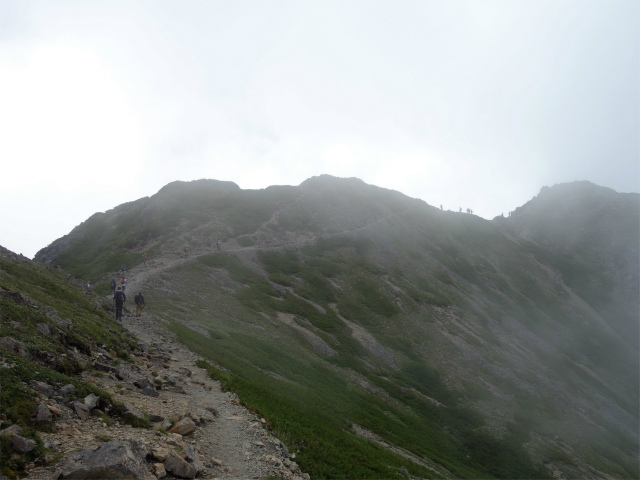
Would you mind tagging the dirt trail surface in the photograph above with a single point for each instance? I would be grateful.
(232, 442)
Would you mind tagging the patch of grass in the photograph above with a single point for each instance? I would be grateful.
(245, 241)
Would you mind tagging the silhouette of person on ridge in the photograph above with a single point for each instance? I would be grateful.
(119, 298)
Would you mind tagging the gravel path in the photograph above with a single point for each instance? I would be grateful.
(233, 443)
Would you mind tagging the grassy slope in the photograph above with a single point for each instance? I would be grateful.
(478, 322)
(79, 326)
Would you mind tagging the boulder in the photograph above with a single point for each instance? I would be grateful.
(149, 391)
(183, 427)
(42, 414)
(103, 367)
(131, 410)
(66, 390)
(81, 410)
(12, 430)
(160, 453)
(155, 418)
(159, 470)
(44, 328)
(21, 444)
(194, 459)
(91, 401)
(122, 459)
(178, 466)
(13, 345)
(42, 387)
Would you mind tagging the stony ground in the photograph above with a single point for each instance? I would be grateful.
(231, 443)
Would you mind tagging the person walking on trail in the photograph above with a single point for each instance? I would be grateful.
(123, 283)
(113, 285)
(186, 252)
(139, 299)
(218, 245)
(119, 298)
(144, 259)
(88, 287)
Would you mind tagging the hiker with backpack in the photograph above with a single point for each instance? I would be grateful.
(139, 299)
(113, 285)
(119, 298)
(123, 283)
(186, 252)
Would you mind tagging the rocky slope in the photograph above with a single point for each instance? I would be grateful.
(500, 348)
(157, 415)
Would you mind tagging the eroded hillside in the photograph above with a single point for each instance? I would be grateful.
(495, 348)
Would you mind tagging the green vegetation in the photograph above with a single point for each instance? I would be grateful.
(405, 320)
(52, 319)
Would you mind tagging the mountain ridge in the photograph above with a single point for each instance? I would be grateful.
(505, 317)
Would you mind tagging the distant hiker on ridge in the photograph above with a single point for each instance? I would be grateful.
(113, 285)
(186, 252)
(139, 299)
(88, 287)
(144, 259)
(119, 298)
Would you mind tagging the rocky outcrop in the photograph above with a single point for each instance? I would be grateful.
(114, 460)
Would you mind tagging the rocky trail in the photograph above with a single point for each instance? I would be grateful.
(197, 430)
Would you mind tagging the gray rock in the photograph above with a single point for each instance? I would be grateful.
(21, 444)
(194, 459)
(12, 430)
(82, 411)
(44, 328)
(122, 459)
(285, 450)
(149, 391)
(13, 345)
(91, 401)
(66, 390)
(179, 467)
(42, 387)
(131, 410)
(42, 414)
(103, 367)
(164, 425)
(142, 382)
(155, 418)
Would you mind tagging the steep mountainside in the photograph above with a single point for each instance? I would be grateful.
(503, 348)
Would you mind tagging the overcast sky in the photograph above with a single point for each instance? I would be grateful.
(469, 104)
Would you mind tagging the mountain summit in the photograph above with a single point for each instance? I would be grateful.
(359, 320)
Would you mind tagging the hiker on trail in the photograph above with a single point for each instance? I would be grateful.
(139, 299)
(119, 298)
(123, 283)
(144, 259)
(88, 287)
(113, 285)
(186, 252)
(218, 245)
(123, 268)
